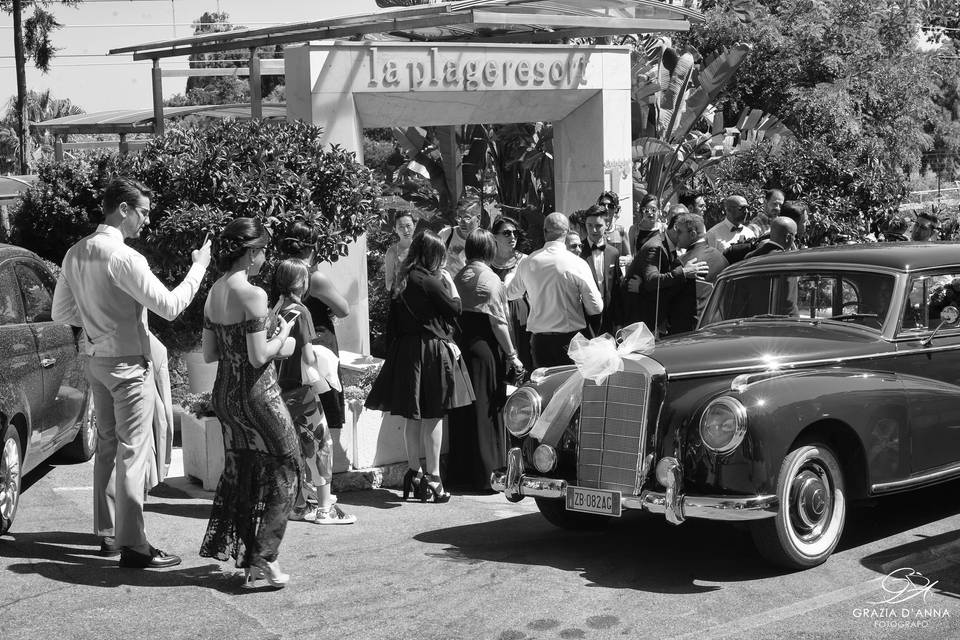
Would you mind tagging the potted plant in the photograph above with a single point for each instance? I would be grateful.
(202, 440)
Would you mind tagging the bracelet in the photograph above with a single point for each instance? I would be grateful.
(512, 354)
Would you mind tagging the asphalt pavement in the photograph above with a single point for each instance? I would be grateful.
(476, 567)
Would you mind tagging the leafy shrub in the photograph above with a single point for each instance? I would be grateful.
(62, 206)
(203, 176)
(198, 404)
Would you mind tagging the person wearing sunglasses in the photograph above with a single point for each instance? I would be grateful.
(506, 233)
(731, 229)
(926, 228)
(455, 238)
(616, 236)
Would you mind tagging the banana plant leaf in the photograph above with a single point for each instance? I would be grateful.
(710, 82)
(672, 102)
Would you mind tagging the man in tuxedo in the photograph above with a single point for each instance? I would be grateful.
(660, 288)
(106, 287)
(604, 261)
(714, 260)
(731, 229)
(783, 233)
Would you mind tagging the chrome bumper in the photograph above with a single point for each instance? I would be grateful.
(515, 485)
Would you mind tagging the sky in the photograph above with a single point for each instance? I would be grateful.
(96, 82)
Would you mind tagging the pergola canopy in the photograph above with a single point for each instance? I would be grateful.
(493, 21)
(142, 120)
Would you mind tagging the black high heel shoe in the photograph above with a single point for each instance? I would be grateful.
(430, 485)
(411, 484)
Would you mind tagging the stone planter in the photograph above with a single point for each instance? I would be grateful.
(203, 454)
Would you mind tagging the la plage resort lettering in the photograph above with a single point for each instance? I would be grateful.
(440, 72)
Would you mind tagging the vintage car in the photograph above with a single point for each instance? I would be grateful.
(44, 402)
(814, 378)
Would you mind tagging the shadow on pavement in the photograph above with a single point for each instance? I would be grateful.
(180, 510)
(935, 559)
(376, 498)
(639, 551)
(35, 476)
(73, 558)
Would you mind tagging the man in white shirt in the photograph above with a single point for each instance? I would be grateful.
(731, 229)
(106, 287)
(560, 287)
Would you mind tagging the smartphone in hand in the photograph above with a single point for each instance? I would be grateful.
(289, 315)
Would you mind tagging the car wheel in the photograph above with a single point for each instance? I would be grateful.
(85, 444)
(556, 514)
(11, 455)
(813, 509)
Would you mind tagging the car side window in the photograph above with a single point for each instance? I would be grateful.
(37, 290)
(928, 296)
(11, 307)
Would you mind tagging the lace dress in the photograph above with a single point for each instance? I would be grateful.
(261, 470)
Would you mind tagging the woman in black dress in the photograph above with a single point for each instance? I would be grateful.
(324, 302)
(262, 462)
(423, 375)
(477, 440)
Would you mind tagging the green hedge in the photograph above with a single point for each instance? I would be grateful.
(203, 176)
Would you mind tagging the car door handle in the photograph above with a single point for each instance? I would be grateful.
(46, 363)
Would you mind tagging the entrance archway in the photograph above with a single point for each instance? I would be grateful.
(345, 87)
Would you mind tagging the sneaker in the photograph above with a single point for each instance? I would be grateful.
(306, 515)
(333, 515)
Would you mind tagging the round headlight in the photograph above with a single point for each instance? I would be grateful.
(545, 458)
(521, 411)
(723, 425)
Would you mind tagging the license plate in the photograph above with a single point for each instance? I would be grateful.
(597, 501)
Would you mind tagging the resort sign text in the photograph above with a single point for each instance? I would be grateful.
(441, 69)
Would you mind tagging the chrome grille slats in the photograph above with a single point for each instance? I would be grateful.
(611, 438)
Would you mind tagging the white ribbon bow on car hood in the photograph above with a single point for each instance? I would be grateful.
(596, 360)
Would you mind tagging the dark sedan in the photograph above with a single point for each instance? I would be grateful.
(44, 403)
(815, 378)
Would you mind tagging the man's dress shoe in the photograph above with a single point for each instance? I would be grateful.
(156, 559)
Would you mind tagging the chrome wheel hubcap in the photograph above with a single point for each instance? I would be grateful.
(9, 478)
(811, 501)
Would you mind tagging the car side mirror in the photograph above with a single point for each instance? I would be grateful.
(949, 315)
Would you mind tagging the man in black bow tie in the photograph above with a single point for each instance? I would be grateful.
(731, 229)
(604, 261)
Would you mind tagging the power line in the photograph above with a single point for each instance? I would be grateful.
(158, 24)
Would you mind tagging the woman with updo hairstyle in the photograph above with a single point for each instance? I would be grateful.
(424, 375)
(262, 456)
(324, 302)
(477, 441)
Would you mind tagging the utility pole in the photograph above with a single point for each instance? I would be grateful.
(21, 63)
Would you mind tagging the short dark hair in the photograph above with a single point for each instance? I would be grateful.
(502, 221)
(689, 198)
(123, 190)
(595, 211)
(480, 245)
(769, 193)
(402, 214)
(647, 199)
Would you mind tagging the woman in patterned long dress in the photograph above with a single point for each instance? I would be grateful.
(262, 466)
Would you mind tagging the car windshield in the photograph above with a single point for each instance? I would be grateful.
(846, 296)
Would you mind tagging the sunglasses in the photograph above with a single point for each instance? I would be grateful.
(608, 205)
(507, 233)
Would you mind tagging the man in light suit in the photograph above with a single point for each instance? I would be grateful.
(604, 261)
(106, 287)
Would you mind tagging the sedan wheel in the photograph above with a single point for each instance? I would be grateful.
(812, 510)
(10, 458)
(85, 444)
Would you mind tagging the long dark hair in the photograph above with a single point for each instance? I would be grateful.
(299, 238)
(426, 251)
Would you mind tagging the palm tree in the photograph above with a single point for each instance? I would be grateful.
(39, 107)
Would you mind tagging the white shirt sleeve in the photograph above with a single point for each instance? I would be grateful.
(517, 287)
(589, 293)
(132, 274)
(64, 304)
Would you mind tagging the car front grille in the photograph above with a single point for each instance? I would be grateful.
(611, 442)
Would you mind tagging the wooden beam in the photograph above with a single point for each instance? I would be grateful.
(157, 98)
(306, 36)
(66, 129)
(256, 90)
(225, 71)
(532, 37)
